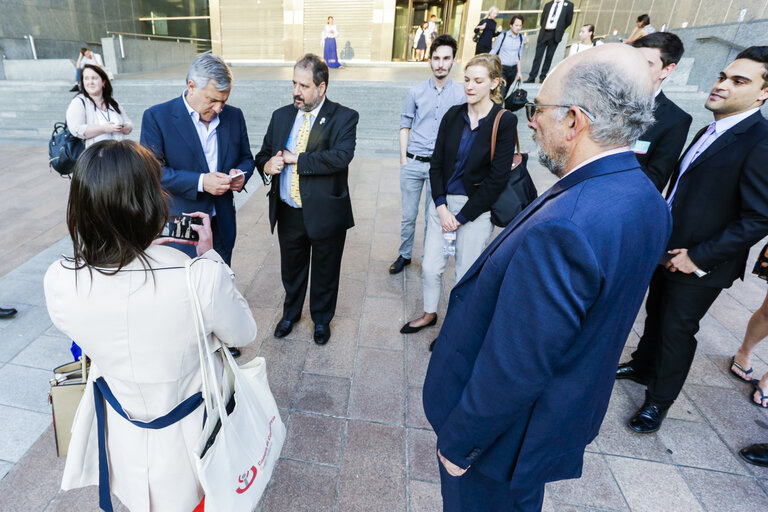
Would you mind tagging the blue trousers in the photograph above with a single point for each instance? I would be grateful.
(475, 492)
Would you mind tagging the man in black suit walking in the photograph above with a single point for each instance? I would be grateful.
(658, 149)
(718, 198)
(555, 18)
(305, 156)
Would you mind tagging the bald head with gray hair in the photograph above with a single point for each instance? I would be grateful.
(208, 67)
(621, 105)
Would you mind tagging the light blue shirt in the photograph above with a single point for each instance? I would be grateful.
(511, 51)
(287, 174)
(424, 108)
(208, 139)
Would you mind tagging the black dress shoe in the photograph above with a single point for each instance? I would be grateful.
(409, 329)
(530, 81)
(74, 89)
(284, 328)
(648, 419)
(322, 334)
(7, 312)
(399, 264)
(627, 371)
(234, 351)
(756, 454)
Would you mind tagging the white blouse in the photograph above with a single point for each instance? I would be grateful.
(82, 112)
(330, 31)
(578, 47)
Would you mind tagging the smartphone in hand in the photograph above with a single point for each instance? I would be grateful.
(179, 226)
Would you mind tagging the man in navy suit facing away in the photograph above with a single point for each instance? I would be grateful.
(523, 368)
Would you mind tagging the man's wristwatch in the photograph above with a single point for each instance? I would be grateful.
(700, 273)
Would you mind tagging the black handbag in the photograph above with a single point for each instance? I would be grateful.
(519, 191)
(476, 37)
(516, 99)
(64, 148)
(761, 265)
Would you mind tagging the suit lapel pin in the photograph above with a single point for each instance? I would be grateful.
(322, 121)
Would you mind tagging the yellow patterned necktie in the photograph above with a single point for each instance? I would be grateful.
(301, 146)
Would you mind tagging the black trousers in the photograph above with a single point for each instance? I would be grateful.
(546, 42)
(509, 73)
(296, 252)
(668, 343)
(475, 492)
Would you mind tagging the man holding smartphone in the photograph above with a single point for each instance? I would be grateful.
(203, 146)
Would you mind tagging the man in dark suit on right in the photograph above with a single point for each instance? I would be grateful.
(305, 156)
(556, 16)
(659, 148)
(718, 198)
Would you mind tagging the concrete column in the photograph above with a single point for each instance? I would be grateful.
(474, 7)
(293, 31)
(214, 7)
(382, 37)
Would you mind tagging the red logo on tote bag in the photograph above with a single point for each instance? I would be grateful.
(246, 479)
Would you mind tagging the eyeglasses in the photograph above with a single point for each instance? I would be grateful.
(531, 109)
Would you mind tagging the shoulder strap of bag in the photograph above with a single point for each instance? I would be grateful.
(504, 36)
(496, 130)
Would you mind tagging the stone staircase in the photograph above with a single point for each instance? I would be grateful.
(28, 110)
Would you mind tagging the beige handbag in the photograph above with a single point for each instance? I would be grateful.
(67, 387)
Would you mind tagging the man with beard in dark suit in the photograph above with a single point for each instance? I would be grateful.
(718, 197)
(659, 147)
(305, 156)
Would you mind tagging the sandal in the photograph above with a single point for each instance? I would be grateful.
(763, 397)
(737, 365)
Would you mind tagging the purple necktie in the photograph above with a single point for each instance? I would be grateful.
(698, 148)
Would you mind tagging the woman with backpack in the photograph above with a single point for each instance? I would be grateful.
(93, 114)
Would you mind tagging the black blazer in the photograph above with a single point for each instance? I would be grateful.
(667, 137)
(720, 208)
(482, 181)
(563, 22)
(323, 167)
(489, 32)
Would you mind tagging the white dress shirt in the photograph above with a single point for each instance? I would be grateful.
(557, 10)
(208, 139)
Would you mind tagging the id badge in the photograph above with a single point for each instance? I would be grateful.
(641, 146)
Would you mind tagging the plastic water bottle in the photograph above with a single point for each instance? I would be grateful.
(449, 243)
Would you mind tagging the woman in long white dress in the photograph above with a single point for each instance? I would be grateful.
(330, 33)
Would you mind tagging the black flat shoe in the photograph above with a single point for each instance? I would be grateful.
(409, 329)
(7, 312)
(399, 264)
(756, 454)
(648, 419)
(322, 334)
(629, 372)
(284, 328)
(432, 345)
(234, 351)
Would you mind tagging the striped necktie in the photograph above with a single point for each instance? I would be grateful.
(301, 146)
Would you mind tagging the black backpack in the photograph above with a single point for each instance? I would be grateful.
(64, 148)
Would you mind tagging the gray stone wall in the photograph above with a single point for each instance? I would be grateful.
(61, 27)
(144, 55)
(712, 56)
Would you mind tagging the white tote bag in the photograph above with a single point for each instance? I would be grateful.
(236, 467)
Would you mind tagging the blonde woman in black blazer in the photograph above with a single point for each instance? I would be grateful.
(465, 183)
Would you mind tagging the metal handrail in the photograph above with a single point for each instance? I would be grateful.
(153, 36)
(720, 40)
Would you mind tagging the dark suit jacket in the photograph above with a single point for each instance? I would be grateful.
(323, 167)
(523, 368)
(667, 137)
(720, 208)
(169, 133)
(483, 181)
(563, 22)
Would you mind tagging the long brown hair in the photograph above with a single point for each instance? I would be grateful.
(107, 91)
(116, 205)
